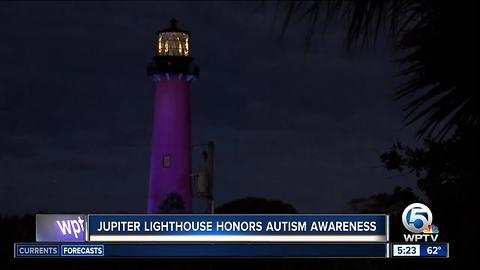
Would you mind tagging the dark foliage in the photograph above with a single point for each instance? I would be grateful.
(173, 204)
(447, 172)
(438, 46)
(391, 203)
(252, 205)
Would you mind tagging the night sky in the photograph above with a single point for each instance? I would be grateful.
(76, 106)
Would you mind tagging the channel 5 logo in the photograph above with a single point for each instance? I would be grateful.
(417, 218)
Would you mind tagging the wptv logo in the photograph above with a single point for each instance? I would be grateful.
(60, 227)
(417, 218)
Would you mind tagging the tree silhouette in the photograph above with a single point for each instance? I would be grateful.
(172, 204)
(445, 169)
(437, 42)
(385, 203)
(391, 203)
(446, 172)
(252, 205)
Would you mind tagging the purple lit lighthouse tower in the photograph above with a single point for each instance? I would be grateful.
(172, 70)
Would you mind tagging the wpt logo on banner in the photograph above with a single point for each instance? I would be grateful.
(417, 218)
(60, 228)
(71, 226)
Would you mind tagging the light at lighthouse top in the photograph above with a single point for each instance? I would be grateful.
(173, 55)
(173, 41)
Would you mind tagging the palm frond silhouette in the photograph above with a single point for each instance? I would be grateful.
(436, 41)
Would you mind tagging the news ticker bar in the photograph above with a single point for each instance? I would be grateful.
(285, 250)
(330, 250)
(212, 228)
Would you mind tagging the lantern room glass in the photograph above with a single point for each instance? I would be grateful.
(173, 44)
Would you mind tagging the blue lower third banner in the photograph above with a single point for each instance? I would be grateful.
(356, 250)
(237, 228)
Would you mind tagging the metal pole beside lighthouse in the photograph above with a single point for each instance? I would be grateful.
(172, 70)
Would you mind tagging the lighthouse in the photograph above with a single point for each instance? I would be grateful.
(172, 71)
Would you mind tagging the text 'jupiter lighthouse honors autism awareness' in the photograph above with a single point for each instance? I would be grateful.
(240, 226)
